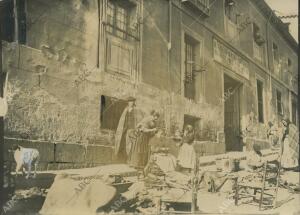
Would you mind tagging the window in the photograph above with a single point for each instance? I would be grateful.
(111, 110)
(11, 22)
(260, 101)
(119, 58)
(118, 18)
(191, 47)
(8, 22)
(21, 21)
(275, 53)
(230, 10)
(231, 21)
(258, 45)
(289, 62)
(279, 103)
(289, 65)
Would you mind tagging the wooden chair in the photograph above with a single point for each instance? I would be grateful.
(267, 186)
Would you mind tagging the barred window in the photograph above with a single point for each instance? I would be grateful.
(121, 19)
(118, 18)
(191, 47)
(110, 16)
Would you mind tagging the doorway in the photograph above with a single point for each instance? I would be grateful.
(231, 99)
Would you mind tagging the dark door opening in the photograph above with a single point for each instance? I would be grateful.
(111, 110)
(232, 114)
(193, 121)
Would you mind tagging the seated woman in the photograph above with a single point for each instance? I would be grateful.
(187, 155)
(254, 158)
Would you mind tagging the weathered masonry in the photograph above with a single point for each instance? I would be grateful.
(227, 67)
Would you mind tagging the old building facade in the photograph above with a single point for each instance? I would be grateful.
(226, 67)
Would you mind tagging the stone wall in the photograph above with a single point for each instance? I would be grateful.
(59, 155)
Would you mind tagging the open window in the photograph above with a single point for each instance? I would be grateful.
(231, 20)
(231, 11)
(258, 44)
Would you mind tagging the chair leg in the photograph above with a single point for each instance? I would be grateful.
(261, 198)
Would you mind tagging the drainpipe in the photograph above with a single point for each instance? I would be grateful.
(170, 42)
(98, 34)
(169, 88)
(140, 29)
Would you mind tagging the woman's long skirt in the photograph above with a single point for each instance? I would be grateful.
(139, 153)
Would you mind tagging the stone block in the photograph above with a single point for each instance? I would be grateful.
(70, 153)
(65, 166)
(99, 154)
(42, 166)
(79, 165)
(45, 149)
(52, 166)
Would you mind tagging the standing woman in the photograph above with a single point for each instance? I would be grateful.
(290, 145)
(146, 129)
(127, 123)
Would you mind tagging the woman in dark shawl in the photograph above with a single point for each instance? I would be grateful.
(127, 124)
(146, 129)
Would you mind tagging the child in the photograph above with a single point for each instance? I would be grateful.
(187, 155)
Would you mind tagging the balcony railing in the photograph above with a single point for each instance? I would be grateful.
(201, 5)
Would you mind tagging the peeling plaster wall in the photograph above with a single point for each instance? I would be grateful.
(55, 86)
(45, 76)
